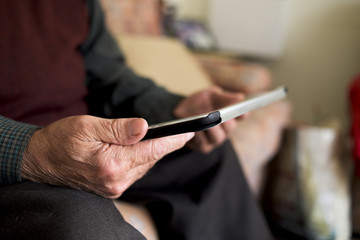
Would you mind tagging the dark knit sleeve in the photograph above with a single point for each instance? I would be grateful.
(14, 137)
(115, 90)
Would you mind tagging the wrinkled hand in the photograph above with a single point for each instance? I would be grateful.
(205, 101)
(94, 154)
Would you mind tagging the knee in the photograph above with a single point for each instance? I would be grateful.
(39, 211)
(74, 214)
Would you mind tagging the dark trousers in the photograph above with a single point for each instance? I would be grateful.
(189, 195)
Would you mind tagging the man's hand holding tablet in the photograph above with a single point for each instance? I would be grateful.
(216, 106)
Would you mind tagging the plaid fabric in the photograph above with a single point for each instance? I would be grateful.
(14, 137)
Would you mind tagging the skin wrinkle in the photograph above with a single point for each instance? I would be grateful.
(138, 167)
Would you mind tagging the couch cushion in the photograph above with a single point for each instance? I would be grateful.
(167, 61)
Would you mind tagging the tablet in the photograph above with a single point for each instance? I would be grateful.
(204, 121)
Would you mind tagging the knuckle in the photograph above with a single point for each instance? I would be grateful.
(115, 129)
(114, 190)
(229, 126)
(219, 140)
(205, 149)
(81, 121)
(217, 135)
(106, 173)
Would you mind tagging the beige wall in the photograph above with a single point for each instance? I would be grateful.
(322, 53)
(192, 9)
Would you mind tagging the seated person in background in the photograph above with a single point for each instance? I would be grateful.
(59, 66)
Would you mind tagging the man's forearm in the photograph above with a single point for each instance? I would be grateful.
(115, 91)
(14, 137)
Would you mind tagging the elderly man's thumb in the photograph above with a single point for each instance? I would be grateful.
(125, 131)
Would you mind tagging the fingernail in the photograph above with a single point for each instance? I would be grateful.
(135, 127)
(190, 136)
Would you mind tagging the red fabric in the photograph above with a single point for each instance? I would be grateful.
(354, 94)
(42, 74)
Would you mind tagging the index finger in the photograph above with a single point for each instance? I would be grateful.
(155, 149)
(224, 98)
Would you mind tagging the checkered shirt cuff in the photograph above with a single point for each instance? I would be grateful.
(14, 137)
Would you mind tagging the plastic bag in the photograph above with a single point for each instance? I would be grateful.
(307, 190)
